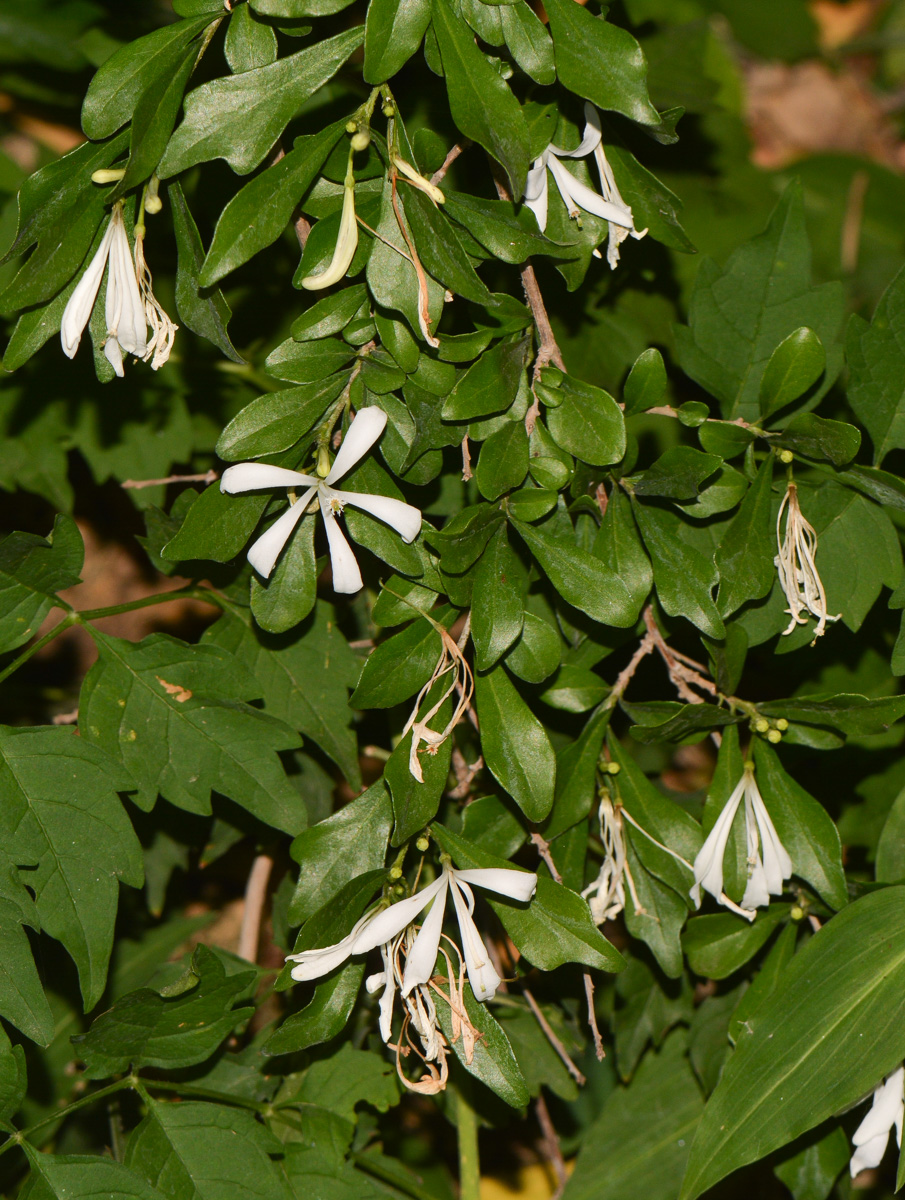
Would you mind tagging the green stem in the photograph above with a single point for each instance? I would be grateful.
(18, 1138)
(206, 595)
(467, 1131)
(188, 1089)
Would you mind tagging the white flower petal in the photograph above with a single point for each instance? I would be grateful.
(373, 983)
(777, 863)
(580, 195)
(708, 865)
(344, 251)
(869, 1155)
(518, 885)
(884, 1111)
(482, 974)
(404, 518)
(367, 426)
(250, 476)
(385, 1008)
(125, 308)
(391, 921)
(264, 553)
(346, 575)
(314, 963)
(81, 302)
(422, 958)
(114, 355)
(757, 893)
(590, 138)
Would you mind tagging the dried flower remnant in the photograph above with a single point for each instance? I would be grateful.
(797, 566)
(452, 662)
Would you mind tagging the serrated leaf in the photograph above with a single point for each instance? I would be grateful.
(146, 1029)
(739, 313)
(32, 570)
(59, 810)
(22, 999)
(304, 678)
(161, 703)
(240, 117)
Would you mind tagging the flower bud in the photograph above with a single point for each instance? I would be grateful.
(395, 873)
(108, 175)
(782, 724)
(774, 736)
(797, 913)
(361, 140)
(613, 768)
(422, 844)
(786, 456)
(761, 724)
(153, 205)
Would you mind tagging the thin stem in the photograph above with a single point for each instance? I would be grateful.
(467, 1131)
(188, 1089)
(551, 1138)
(592, 1017)
(553, 1039)
(207, 477)
(26, 654)
(449, 160)
(18, 1138)
(206, 595)
(543, 850)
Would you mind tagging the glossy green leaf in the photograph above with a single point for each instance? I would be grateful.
(796, 363)
(587, 422)
(646, 382)
(493, 1061)
(745, 554)
(677, 474)
(276, 421)
(787, 1075)
(815, 437)
(683, 577)
(490, 385)
(718, 944)
(528, 42)
(249, 43)
(515, 745)
(875, 353)
(497, 612)
(393, 32)
(503, 461)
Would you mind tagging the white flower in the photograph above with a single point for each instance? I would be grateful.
(379, 928)
(887, 1110)
(797, 567)
(606, 895)
(363, 432)
(127, 328)
(346, 242)
(765, 874)
(577, 195)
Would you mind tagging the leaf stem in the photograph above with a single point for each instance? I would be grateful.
(467, 1130)
(18, 1138)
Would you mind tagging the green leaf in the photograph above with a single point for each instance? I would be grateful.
(528, 42)
(59, 810)
(815, 437)
(204, 311)
(787, 1073)
(240, 117)
(289, 594)
(392, 278)
(677, 474)
(489, 385)
(497, 611)
(659, 915)
(646, 382)
(192, 1148)
(117, 88)
(492, 1060)
(147, 1029)
(400, 666)
(503, 462)
(32, 570)
(653, 205)
(537, 651)
(335, 851)
(308, 362)
(260, 211)
(499, 226)
(249, 43)
(216, 527)
(515, 745)
(670, 721)
(574, 689)
(393, 32)
(810, 1173)
(325, 1016)
(744, 557)
(582, 580)
(683, 577)
(586, 421)
(576, 776)
(600, 62)
(876, 354)
(718, 944)
(83, 1177)
(739, 313)
(794, 366)
(22, 999)
(440, 250)
(304, 678)
(804, 827)
(857, 716)
(160, 703)
(330, 315)
(13, 1077)
(617, 543)
(766, 980)
(415, 802)
(638, 1144)
(554, 928)
(482, 106)
(276, 421)
(347, 1078)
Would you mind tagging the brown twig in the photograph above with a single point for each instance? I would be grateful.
(850, 241)
(543, 850)
(592, 1017)
(553, 1039)
(207, 477)
(554, 1151)
(548, 348)
(467, 472)
(255, 896)
(450, 159)
(624, 678)
(464, 773)
(682, 670)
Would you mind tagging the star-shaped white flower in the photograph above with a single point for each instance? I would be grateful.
(576, 195)
(872, 1135)
(127, 328)
(363, 432)
(379, 928)
(765, 874)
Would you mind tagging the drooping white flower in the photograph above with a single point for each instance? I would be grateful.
(797, 566)
(576, 195)
(127, 328)
(886, 1112)
(768, 861)
(346, 241)
(380, 928)
(363, 432)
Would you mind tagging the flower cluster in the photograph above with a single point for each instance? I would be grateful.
(797, 566)
(363, 432)
(576, 195)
